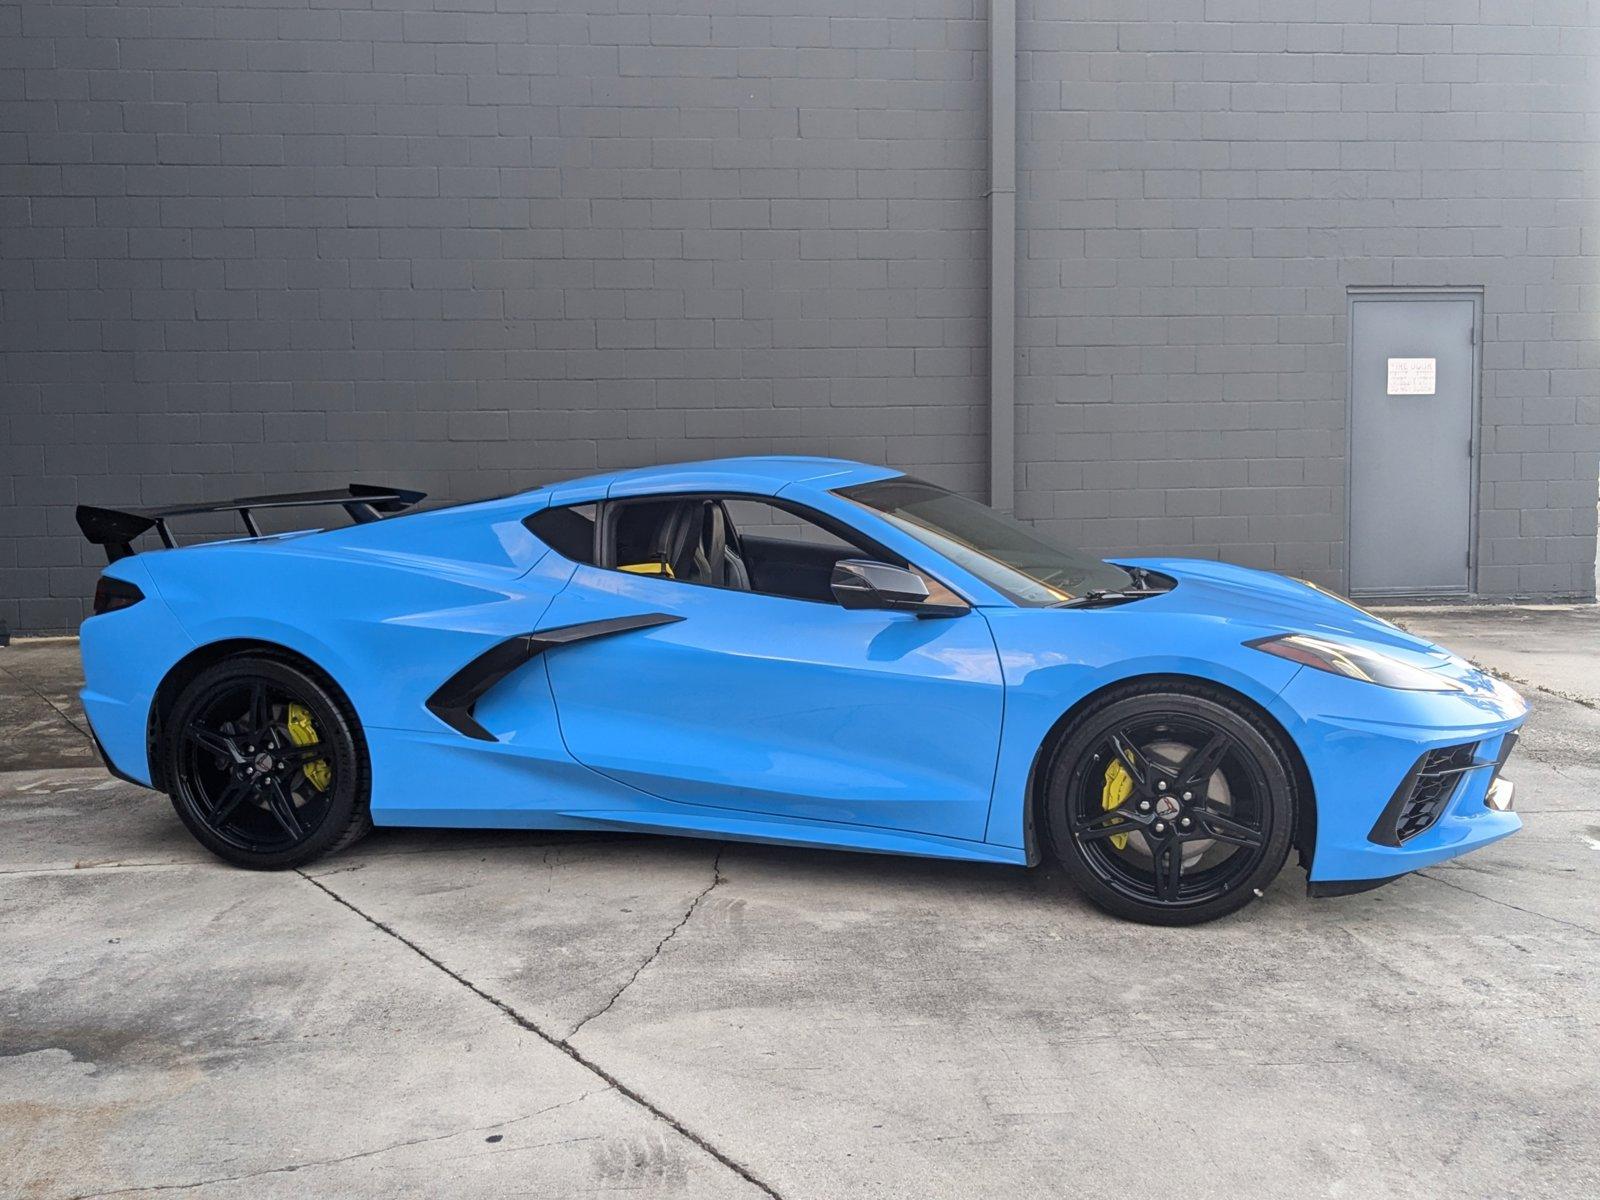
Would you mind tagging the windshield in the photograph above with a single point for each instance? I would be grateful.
(1000, 550)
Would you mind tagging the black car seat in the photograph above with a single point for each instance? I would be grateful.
(694, 541)
(722, 542)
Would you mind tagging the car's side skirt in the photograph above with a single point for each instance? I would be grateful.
(442, 781)
(720, 825)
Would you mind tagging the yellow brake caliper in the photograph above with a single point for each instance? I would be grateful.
(1118, 787)
(303, 733)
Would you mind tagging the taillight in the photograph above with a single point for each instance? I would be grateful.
(112, 594)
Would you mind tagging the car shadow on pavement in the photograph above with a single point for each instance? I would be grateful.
(803, 875)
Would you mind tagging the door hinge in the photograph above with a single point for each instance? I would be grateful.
(1472, 335)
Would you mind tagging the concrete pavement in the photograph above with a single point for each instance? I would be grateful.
(1553, 647)
(543, 1015)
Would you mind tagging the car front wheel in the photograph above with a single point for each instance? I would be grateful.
(1170, 803)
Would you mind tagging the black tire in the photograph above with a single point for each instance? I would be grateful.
(1230, 832)
(240, 781)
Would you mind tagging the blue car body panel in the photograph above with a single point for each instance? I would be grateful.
(125, 657)
(1357, 751)
(782, 707)
(763, 717)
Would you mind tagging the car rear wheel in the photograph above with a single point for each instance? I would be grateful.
(1170, 803)
(266, 764)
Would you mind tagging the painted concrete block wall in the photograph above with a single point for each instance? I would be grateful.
(1202, 182)
(259, 247)
(250, 247)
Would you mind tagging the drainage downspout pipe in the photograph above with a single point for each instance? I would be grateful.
(1002, 254)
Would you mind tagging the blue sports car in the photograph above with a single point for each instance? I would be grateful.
(798, 650)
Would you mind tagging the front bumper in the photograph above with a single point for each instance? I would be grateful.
(1363, 743)
(1499, 798)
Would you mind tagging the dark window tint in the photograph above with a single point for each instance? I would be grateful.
(567, 531)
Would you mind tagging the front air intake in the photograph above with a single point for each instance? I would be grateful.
(1424, 793)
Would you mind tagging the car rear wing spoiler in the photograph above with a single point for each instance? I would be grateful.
(116, 528)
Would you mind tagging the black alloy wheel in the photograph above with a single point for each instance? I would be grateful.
(1171, 804)
(265, 763)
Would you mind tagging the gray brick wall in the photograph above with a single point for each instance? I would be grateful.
(248, 248)
(1202, 181)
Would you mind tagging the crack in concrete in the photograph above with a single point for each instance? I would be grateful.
(716, 878)
(559, 1043)
(49, 703)
(570, 1141)
(1532, 912)
(312, 1164)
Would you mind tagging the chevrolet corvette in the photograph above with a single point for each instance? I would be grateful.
(804, 651)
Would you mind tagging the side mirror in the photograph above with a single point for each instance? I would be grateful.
(862, 583)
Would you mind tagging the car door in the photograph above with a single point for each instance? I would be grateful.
(768, 703)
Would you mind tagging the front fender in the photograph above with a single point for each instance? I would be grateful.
(1053, 659)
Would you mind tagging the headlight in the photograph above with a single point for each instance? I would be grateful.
(1353, 662)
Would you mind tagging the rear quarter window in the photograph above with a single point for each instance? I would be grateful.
(569, 531)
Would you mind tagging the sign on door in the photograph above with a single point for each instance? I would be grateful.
(1412, 376)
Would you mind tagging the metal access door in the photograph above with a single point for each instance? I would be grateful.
(1413, 405)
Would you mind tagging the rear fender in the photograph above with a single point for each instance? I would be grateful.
(126, 654)
(387, 632)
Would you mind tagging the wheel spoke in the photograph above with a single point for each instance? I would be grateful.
(1202, 763)
(216, 743)
(1091, 832)
(299, 756)
(257, 716)
(1226, 829)
(1168, 868)
(282, 805)
(1132, 758)
(232, 796)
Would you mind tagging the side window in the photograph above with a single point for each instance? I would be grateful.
(788, 554)
(739, 543)
(783, 553)
(756, 518)
(568, 531)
